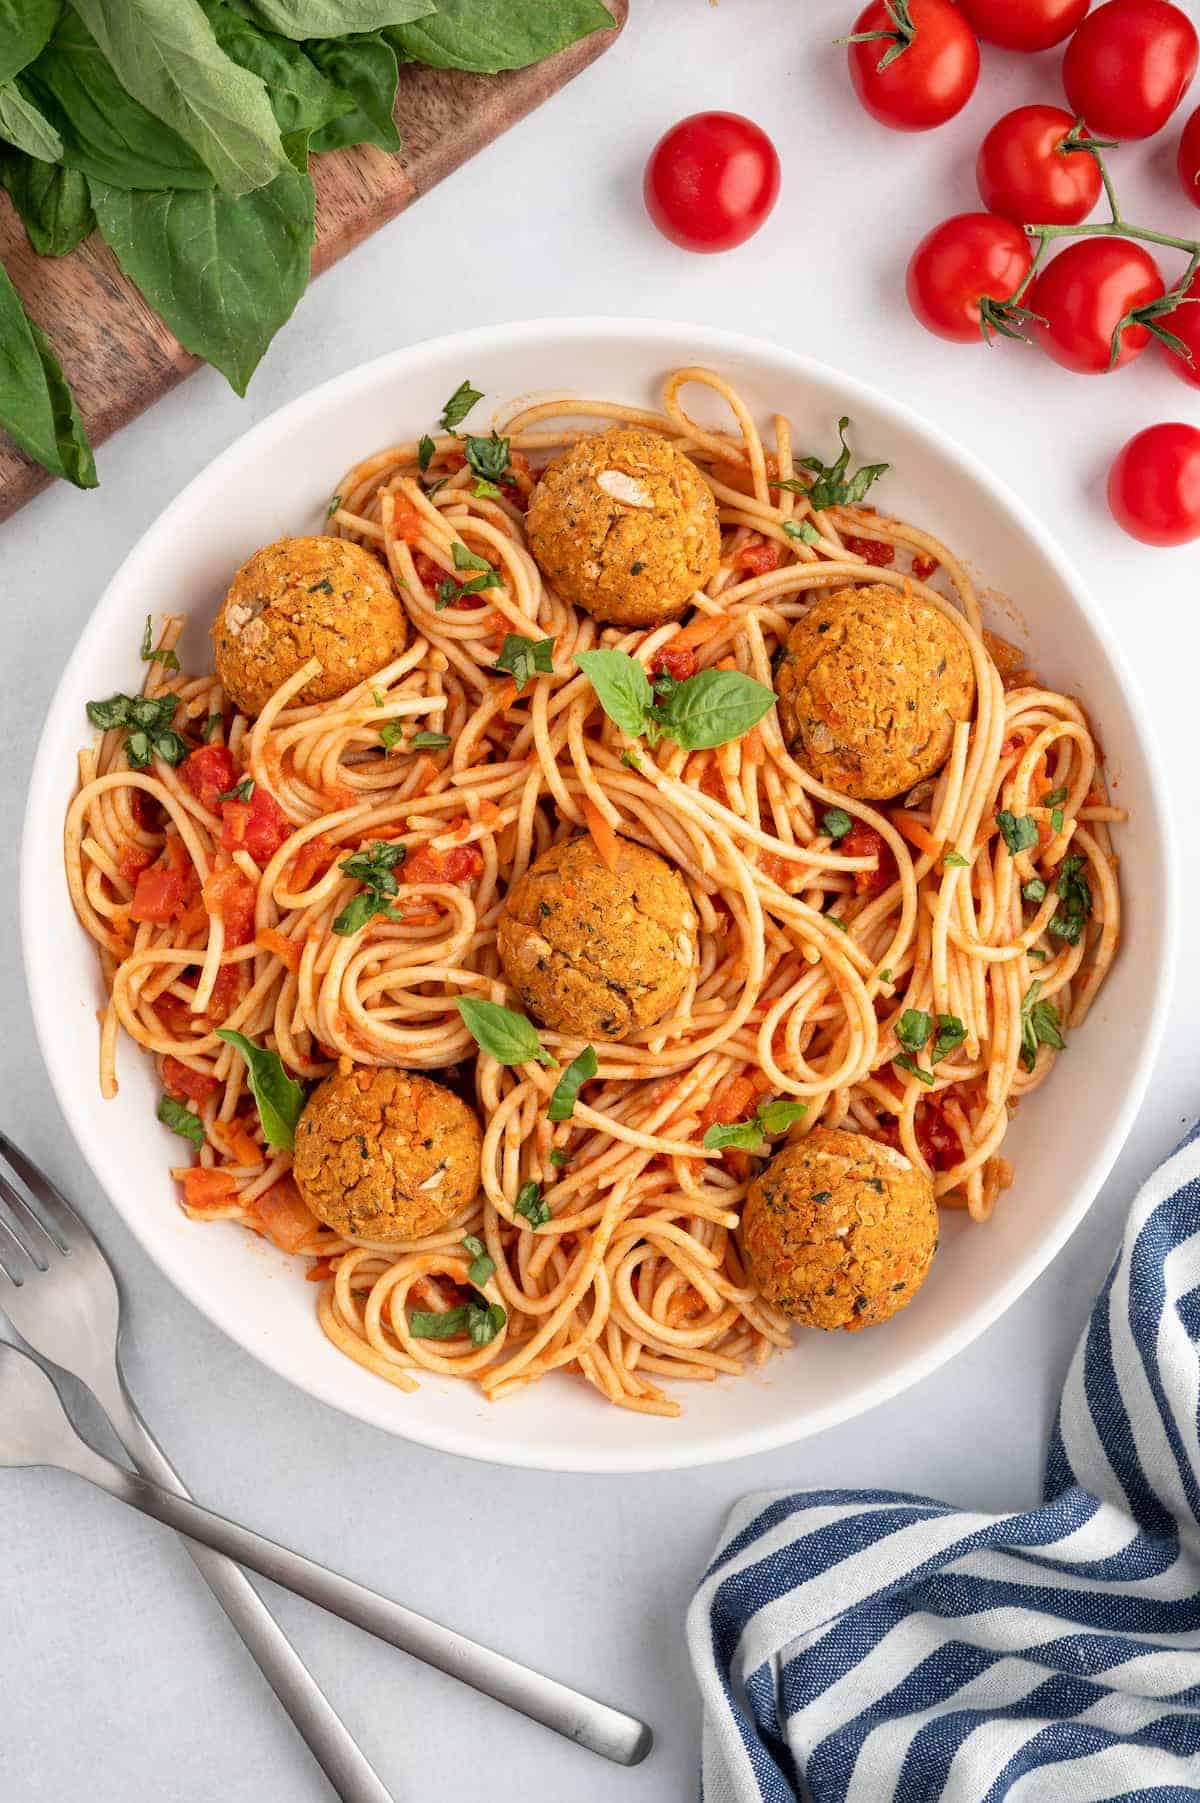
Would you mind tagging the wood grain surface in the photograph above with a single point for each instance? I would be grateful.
(119, 356)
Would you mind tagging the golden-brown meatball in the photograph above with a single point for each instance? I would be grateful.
(301, 598)
(870, 686)
(386, 1154)
(624, 526)
(596, 952)
(839, 1231)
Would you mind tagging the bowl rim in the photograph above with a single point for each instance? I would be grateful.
(709, 342)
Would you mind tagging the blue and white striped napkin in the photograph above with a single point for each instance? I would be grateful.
(863, 1646)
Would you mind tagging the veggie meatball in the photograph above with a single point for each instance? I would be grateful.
(386, 1154)
(596, 952)
(839, 1231)
(624, 526)
(301, 598)
(871, 685)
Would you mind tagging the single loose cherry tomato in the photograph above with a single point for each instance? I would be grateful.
(1154, 485)
(961, 266)
(1081, 298)
(1128, 66)
(1023, 24)
(914, 65)
(1188, 158)
(1024, 173)
(711, 181)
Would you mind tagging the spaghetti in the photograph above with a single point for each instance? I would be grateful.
(815, 944)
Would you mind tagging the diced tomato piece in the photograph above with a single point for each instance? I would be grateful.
(862, 841)
(209, 773)
(429, 572)
(761, 558)
(461, 864)
(923, 567)
(226, 993)
(258, 826)
(159, 896)
(133, 860)
(733, 1100)
(940, 1145)
(185, 1083)
(407, 523)
(310, 862)
(874, 550)
(772, 865)
(231, 896)
(671, 662)
(285, 1218)
(205, 1188)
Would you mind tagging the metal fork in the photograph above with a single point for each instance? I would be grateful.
(60, 1293)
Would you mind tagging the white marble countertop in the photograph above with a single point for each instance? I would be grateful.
(115, 1666)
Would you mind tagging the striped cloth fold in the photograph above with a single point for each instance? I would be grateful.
(856, 1646)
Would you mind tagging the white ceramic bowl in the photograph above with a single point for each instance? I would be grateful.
(276, 480)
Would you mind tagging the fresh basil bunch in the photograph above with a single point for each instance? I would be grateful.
(182, 129)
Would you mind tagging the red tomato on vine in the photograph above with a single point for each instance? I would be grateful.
(913, 63)
(1026, 169)
(1129, 65)
(1024, 24)
(1088, 301)
(963, 271)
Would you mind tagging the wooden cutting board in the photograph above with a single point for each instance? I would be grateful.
(118, 355)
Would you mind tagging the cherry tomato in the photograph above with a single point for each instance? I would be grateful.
(1023, 174)
(1188, 158)
(1154, 485)
(1184, 323)
(1128, 66)
(960, 264)
(711, 181)
(1081, 297)
(918, 64)
(1023, 24)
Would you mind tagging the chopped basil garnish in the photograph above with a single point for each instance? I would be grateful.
(1056, 819)
(1075, 893)
(1037, 954)
(1018, 833)
(768, 1120)
(1055, 796)
(167, 659)
(466, 559)
(486, 491)
(836, 823)
(950, 1035)
(954, 860)
(374, 868)
(906, 1063)
(580, 1070)
(558, 1157)
(181, 1120)
(1039, 1025)
(148, 720)
(530, 1206)
(709, 709)
(425, 451)
(480, 1321)
(483, 1266)
(429, 741)
(503, 1034)
(242, 792)
(523, 659)
(212, 725)
(459, 405)
(278, 1097)
(1034, 890)
(914, 1028)
(335, 502)
(831, 486)
(885, 976)
(802, 529)
(488, 457)
(390, 732)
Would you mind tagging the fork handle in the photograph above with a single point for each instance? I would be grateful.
(330, 1742)
(590, 1724)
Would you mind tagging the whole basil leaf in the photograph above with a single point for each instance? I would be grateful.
(330, 18)
(166, 55)
(181, 1120)
(52, 201)
(301, 97)
(225, 274)
(503, 1034)
(622, 687)
(486, 36)
(278, 1097)
(25, 27)
(365, 68)
(25, 126)
(105, 132)
(713, 707)
(37, 407)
